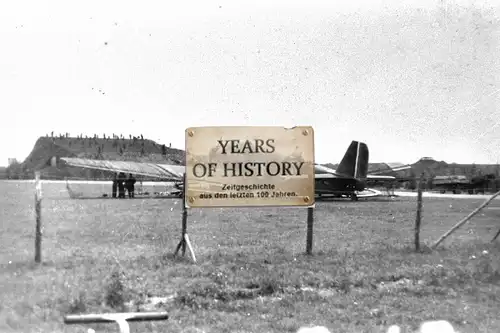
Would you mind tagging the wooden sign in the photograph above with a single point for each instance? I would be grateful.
(249, 166)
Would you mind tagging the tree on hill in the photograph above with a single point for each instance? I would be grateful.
(430, 183)
(15, 170)
(473, 170)
(412, 184)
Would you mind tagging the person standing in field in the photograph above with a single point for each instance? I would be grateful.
(121, 185)
(130, 182)
(115, 185)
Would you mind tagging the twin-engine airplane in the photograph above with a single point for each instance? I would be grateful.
(351, 176)
(348, 180)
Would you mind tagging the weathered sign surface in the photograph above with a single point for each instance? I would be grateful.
(249, 166)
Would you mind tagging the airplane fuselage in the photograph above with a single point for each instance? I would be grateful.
(337, 186)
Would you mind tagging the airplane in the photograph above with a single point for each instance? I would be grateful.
(351, 177)
(348, 180)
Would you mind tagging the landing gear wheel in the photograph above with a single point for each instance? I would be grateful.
(354, 197)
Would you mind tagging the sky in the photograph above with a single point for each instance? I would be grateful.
(409, 78)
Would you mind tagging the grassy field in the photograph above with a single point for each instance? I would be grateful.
(105, 255)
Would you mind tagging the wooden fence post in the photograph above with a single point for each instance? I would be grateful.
(121, 318)
(467, 218)
(310, 220)
(38, 216)
(497, 234)
(419, 214)
(184, 238)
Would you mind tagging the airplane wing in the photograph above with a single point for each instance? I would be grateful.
(368, 193)
(322, 171)
(165, 172)
(378, 177)
(392, 169)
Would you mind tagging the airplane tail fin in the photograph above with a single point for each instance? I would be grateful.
(355, 161)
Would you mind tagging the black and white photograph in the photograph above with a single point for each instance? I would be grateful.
(229, 166)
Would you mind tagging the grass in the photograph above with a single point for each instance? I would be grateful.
(252, 275)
